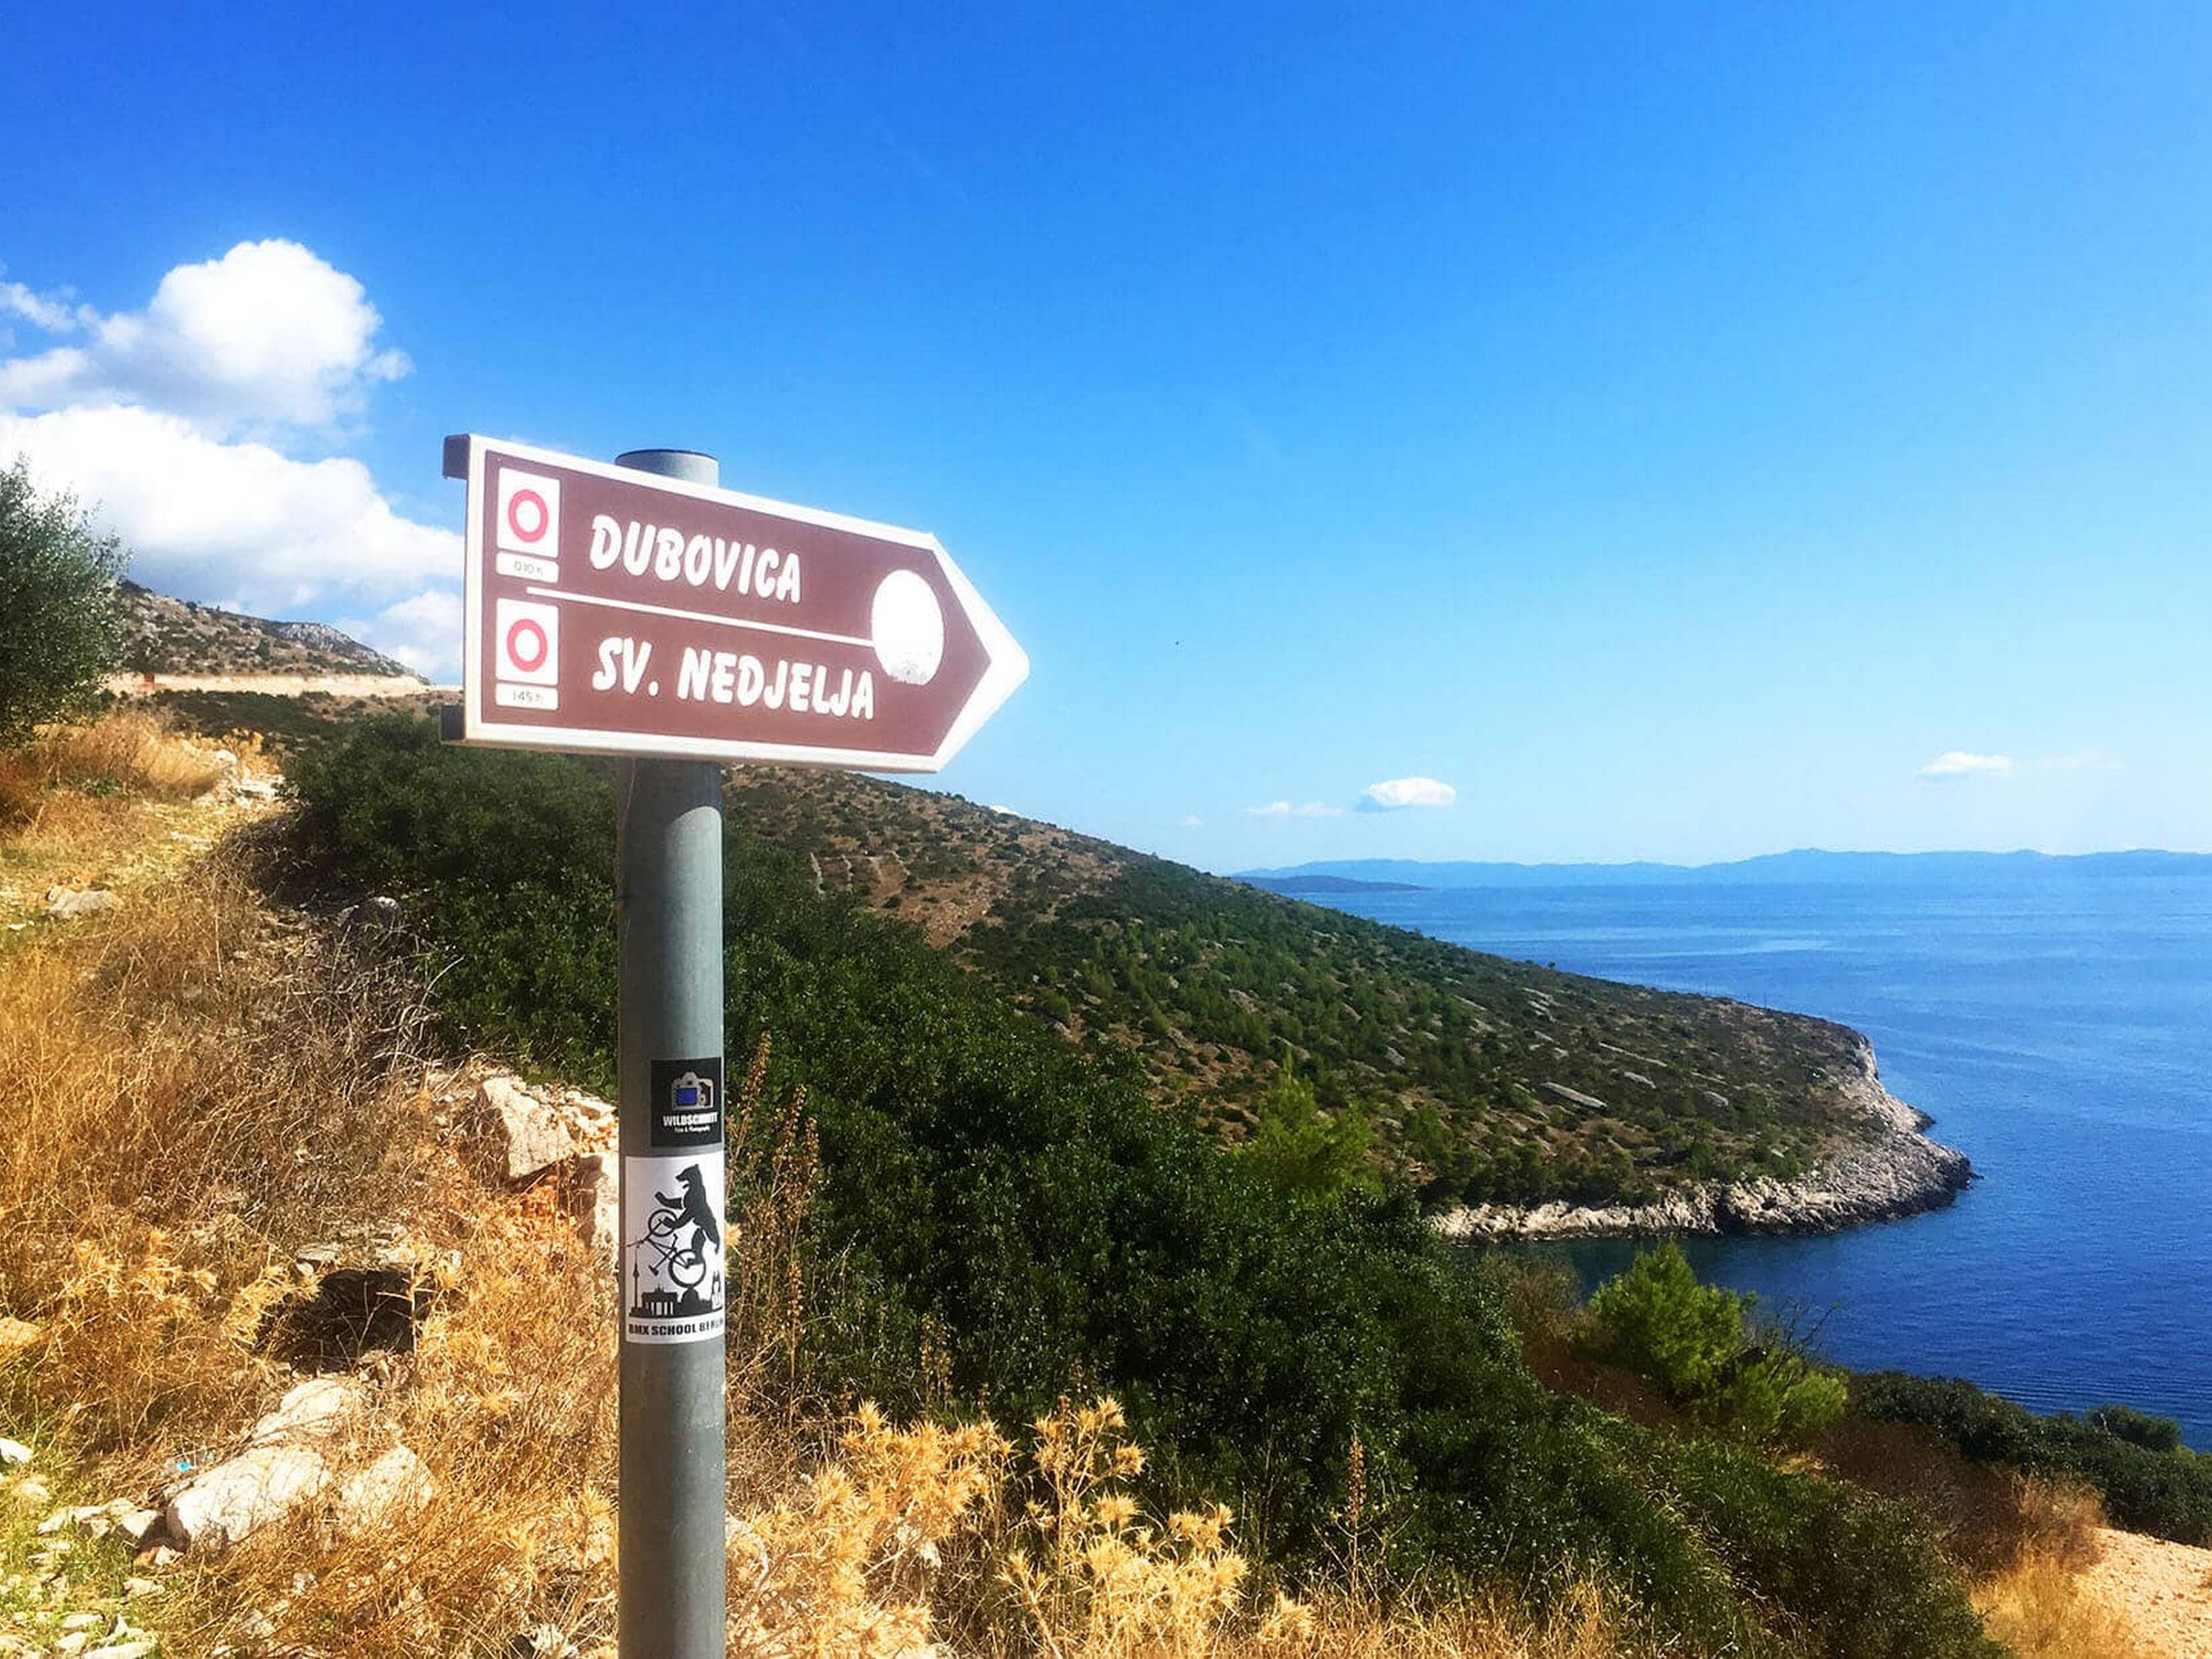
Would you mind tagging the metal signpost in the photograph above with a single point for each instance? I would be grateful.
(635, 610)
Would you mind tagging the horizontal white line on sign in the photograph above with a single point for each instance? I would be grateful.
(702, 616)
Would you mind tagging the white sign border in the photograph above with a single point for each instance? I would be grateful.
(1006, 665)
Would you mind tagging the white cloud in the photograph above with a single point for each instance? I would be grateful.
(1190, 821)
(234, 523)
(268, 336)
(181, 428)
(423, 632)
(1396, 793)
(1285, 809)
(1959, 763)
(55, 314)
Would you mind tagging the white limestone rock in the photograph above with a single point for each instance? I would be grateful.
(594, 1204)
(313, 1410)
(67, 904)
(226, 1503)
(391, 1488)
(522, 1134)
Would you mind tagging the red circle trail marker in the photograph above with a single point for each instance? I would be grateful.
(527, 505)
(690, 622)
(526, 645)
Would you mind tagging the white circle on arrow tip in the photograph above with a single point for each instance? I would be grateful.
(907, 625)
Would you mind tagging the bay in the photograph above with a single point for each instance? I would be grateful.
(2056, 1024)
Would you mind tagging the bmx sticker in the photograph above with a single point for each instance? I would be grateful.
(672, 1248)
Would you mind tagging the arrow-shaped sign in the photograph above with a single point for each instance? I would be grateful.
(618, 612)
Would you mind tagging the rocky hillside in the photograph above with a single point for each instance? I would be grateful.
(1486, 1081)
(169, 636)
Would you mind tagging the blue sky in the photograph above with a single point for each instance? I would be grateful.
(1679, 430)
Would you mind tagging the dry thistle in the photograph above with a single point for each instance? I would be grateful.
(1354, 1485)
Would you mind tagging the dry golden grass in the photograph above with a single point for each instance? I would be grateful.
(912, 1540)
(191, 1091)
(132, 748)
(2039, 1607)
(127, 750)
(113, 803)
(848, 1560)
(1092, 1576)
(509, 1400)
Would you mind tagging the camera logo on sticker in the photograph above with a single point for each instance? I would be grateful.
(686, 1103)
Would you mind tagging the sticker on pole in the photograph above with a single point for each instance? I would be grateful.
(672, 1248)
(687, 1104)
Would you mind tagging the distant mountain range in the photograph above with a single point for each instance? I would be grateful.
(1807, 865)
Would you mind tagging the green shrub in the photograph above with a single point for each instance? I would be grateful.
(1861, 1577)
(61, 620)
(1776, 1397)
(2138, 1428)
(1300, 1151)
(1697, 1343)
(1656, 1320)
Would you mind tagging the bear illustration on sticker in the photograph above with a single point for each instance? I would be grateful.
(680, 1254)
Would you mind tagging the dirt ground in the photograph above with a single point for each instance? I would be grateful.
(2163, 1589)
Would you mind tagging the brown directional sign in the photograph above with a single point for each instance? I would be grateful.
(620, 613)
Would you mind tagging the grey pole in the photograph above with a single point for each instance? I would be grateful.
(668, 925)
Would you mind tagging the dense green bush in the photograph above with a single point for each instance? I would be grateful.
(1699, 1345)
(990, 1188)
(504, 863)
(1305, 1153)
(2149, 1481)
(1656, 1319)
(1851, 1570)
(2137, 1428)
(60, 625)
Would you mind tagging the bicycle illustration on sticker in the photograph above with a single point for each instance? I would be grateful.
(672, 1249)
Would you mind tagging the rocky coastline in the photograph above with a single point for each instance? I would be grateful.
(1900, 1171)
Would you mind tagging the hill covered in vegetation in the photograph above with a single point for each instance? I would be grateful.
(1480, 1079)
(162, 635)
(1004, 1215)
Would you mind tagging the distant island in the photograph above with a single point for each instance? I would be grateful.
(1298, 886)
(1806, 865)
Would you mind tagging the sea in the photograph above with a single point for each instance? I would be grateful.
(2056, 1024)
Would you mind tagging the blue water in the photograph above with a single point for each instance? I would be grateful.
(2059, 1029)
